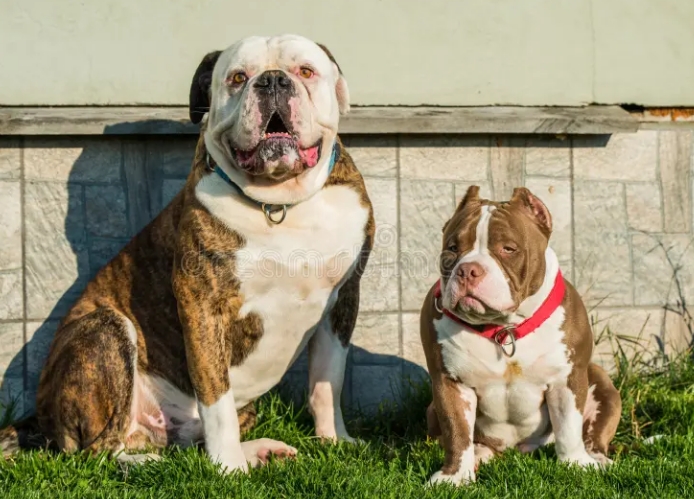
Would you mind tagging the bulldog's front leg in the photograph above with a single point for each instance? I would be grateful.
(221, 429)
(565, 401)
(327, 362)
(328, 350)
(205, 318)
(209, 373)
(207, 357)
(456, 406)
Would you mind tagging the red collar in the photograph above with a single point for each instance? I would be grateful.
(518, 331)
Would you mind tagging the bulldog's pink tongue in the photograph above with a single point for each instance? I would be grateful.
(309, 156)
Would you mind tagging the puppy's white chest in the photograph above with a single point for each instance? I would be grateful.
(289, 273)
(510, 390)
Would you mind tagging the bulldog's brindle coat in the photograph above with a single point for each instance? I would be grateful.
(206, 308)
(497, 268)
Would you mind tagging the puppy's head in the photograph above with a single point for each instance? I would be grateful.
(273, 105)
(493, 255)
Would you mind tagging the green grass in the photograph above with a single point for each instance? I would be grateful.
(395, 459)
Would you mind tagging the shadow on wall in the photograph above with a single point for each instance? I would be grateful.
(78, 220)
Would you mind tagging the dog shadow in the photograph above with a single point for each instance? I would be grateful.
(374, 383)
(105, 208)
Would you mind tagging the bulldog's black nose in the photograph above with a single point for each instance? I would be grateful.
(273, 81)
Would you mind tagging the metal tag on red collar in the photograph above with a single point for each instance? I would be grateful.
(506, 336)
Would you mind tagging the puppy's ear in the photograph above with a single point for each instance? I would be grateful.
(471, 196)
(341, 88)
(535, 208)
(199, 102)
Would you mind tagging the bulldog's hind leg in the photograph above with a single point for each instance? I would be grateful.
(85, 394)
(601, 414)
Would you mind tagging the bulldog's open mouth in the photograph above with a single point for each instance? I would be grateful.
(277, 148)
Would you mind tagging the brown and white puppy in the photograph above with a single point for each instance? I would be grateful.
(490, 394)
(205, 309)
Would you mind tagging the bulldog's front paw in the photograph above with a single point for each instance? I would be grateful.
(258, 452)
(230, 462)
(461, 477)
(582, 459)
(350, 440)
(337, 440)
(335, 437)
(128, 459)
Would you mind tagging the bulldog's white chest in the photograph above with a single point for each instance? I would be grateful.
(289, 273)
(510, 390)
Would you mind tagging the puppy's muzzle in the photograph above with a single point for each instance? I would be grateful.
(471, 274)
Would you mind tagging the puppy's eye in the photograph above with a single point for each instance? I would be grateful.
(306, 72)
(453, 248)
(238, 78)
(508, 249)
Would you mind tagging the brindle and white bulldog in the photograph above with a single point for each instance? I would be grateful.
(508, 344)
(259, 255)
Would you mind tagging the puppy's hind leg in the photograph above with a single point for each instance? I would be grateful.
(601, 414)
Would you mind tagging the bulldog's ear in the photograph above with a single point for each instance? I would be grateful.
(341, 88)
(199, 102)
(534, 207)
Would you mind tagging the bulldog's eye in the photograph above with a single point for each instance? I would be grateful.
(508, 249)
(238, 78)
(306, 72)
(453, 248)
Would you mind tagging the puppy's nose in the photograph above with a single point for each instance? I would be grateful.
(273, 81)
(471, 272)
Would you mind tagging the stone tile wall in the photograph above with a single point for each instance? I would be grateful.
(623, 229)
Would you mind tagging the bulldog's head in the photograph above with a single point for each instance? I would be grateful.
(493, 255)
(273, 105)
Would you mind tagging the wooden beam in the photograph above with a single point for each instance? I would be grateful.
(361, 120)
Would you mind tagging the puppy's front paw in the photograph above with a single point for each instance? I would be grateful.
(461, 477)
(602, 459)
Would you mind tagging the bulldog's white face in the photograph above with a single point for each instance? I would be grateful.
(274, 109)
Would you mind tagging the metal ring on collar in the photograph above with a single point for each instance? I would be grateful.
(269, 209)
(437, 306)
(509, 339)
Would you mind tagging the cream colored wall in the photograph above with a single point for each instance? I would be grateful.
(394, 52)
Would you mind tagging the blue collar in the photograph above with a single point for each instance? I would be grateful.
(267, 208)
